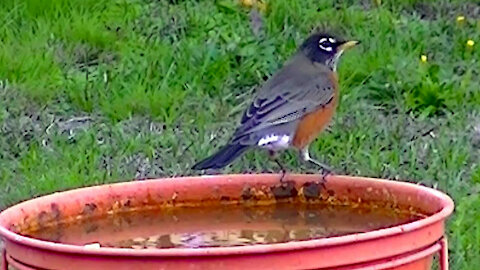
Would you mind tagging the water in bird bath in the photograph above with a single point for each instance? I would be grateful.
(221, 226)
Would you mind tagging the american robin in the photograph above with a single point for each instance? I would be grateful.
(292, 107)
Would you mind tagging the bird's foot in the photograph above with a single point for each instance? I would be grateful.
(325, 173)
(326, 170)
(282, 169)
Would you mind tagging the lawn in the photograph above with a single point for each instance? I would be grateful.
(97, 91)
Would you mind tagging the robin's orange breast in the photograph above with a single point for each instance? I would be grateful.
(315, 122)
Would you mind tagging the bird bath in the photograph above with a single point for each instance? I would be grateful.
(231, 222)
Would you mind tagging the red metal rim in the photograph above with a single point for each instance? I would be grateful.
(11, 261)
(447, 209)
(400, 260)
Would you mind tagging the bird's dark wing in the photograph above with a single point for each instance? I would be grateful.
(293, 92)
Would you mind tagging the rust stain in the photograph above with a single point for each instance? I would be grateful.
(311, 190)
(247, 193)
(56, 214)
(42, 219)
(284, 190)
(89, 208)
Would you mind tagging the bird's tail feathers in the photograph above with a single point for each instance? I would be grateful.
(222, 158)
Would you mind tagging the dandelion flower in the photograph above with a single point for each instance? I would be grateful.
(423, 58)
(460, 18)
(470, 43)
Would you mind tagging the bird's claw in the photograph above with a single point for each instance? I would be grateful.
(325, 172)
(284, 173)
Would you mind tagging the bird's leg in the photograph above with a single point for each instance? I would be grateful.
(282, 168)
(326, 170)
(284, 172)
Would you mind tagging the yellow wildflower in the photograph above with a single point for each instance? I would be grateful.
(247, 3)
(259, 4)
(470, 43)
(423, 58)
(262, 6)
(460, 18)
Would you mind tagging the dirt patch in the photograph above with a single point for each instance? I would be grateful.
(476, 134)
(143, 166)
(22, 126)
(82, 57)
(161, 22)
(85, 56)
(365, 4)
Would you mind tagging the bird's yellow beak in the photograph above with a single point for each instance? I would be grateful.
(347, 45)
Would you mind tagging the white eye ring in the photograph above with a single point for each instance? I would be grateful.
(328, 49)
(322, 40)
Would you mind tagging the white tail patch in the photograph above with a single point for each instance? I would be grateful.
(273, 141)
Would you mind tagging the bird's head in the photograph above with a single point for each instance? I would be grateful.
(326, 49)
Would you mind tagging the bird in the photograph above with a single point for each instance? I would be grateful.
(292, 107)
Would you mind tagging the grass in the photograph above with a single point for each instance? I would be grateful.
(101, 91)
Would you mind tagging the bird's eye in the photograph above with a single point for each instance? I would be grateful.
(326, 44)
